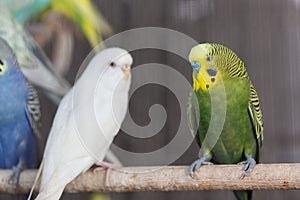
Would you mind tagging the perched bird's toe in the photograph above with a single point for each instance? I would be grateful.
(14, 177)
(195, 166)
(192, 168)
(243, 162)
(248, 166)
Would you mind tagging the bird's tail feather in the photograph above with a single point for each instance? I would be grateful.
(36, 179)
(50, 195)
(243, 194)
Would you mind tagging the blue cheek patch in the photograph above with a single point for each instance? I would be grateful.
(211, 72)
(196, 65)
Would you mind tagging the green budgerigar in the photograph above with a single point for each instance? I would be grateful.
(219, 76)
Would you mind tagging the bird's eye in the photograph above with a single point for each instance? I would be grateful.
(112, 64)
(211, 72)
(1, 62)
(196, 65)
(209, 58)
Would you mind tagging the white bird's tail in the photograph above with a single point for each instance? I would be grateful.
(36, 179)
(50, 196)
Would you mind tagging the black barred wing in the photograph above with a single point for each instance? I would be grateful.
(33, 111)
(256, 115)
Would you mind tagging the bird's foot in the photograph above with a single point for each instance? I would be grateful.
(14, 177)
(249, 165)
(195, 166)
(105, 165)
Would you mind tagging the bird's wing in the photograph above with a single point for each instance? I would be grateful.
(59, 131)
(36, 65)
(33, 111)
(39, 70)
(256, 115)
(63, 150)
(193, 115)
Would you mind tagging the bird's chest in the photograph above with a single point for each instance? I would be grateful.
(13, 96)
(12, 110)
(111, 110)
(13, 124)
(13, 119)
(225, 109)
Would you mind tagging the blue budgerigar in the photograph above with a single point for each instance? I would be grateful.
(19, 116)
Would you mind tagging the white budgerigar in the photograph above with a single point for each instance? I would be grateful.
(87, 120)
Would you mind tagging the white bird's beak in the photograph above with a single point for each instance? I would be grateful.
(126, 71)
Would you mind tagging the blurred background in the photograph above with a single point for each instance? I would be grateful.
(265, 34)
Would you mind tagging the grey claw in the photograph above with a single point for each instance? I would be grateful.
(195, 166)
(14, 177)
(192, 169)
(246, 166)
(242, 163)
(249, 165)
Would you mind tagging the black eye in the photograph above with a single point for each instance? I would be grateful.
(112, 64)
(209, 58)
(1, 62)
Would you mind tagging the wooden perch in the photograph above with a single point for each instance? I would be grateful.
(171, 178)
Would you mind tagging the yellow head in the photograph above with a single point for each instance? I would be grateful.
(212, 63)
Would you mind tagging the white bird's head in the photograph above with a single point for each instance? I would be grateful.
(116, 69)
(118, 60)
(109, 70)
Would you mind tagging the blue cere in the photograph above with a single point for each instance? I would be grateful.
(196, 65)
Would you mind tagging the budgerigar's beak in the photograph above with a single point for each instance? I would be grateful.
(127, 74)
(126, 71)
(195, 72)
